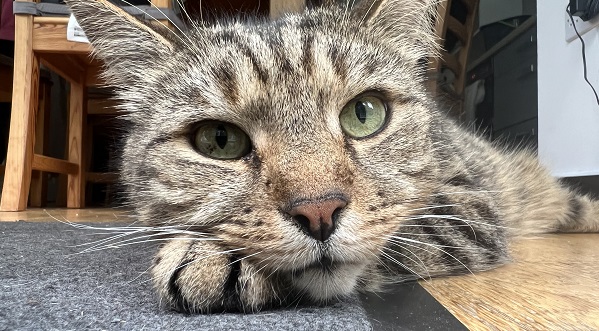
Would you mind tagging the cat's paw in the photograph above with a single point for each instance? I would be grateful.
(200, 277)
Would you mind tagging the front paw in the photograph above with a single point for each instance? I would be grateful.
(201, 277)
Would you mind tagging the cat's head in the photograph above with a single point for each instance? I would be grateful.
(303, 141)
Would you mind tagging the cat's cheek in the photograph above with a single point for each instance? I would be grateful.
(322, 285)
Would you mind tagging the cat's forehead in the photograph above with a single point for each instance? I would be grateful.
(294, 74)
(295, 62)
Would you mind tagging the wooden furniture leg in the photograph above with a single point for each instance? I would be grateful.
(77, 119)
(38, 191)
(22, 123)
(89, 150)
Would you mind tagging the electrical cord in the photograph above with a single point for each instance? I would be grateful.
(584, 56)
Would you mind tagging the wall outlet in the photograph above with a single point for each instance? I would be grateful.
(582, 26)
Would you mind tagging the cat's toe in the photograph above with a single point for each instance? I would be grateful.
(200, 277)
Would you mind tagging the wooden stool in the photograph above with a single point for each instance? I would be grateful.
(43, 40)
(5, 92)
(38, 182)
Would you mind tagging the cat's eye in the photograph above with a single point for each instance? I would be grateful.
(363, 116)
(221, 140)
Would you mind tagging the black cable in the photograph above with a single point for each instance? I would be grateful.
(584, 56)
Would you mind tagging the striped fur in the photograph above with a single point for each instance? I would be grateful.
(425, 197)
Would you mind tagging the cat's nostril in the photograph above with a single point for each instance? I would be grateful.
(336, 213)
(318, 219)
(303, 222)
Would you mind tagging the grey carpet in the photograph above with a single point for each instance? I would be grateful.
(47, 286)
(46, 283)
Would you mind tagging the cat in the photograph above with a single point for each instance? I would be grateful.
(303, 159)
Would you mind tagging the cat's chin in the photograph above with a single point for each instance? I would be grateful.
(323, 283)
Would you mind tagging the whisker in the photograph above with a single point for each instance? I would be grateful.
(434, 207)
(466, 192)
(455, 218)
(433, 225)
(451, 217)
(170, 21)
(242, 258)
(409, 258)
(189, 19)
(119, 245)
(193, 261)
(424, 234)
(428, 244)
(395, 242)
(274, 271)
(367, 13)
(164, 25)
(437, 248)
(394, 260)
(404, 246)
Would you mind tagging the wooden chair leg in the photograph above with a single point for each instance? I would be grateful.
(89, 150)
(35, 190)
(38, 191)
(36, 196)
(61, 194)
(22, 123)
(77, 120)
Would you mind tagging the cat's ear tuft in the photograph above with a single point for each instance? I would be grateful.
(123, 42)
(402, 22)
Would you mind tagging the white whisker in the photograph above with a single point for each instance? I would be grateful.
(189, 19)
(455, 218)
(429, 244)
(392, 259)
(421, 263)
(437, 247)
(123, 244)
(434, 207)
(201, 258)
(424, 234)
(243, 258)
(164, 25)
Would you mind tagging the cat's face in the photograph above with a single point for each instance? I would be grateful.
(238, 129)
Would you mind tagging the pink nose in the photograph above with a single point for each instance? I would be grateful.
(318, 218)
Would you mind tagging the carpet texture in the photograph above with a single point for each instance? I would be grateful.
(48, 284)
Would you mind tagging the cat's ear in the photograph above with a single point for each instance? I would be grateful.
(402, 22)
(124, 43)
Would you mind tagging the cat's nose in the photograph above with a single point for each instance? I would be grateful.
(318, 218)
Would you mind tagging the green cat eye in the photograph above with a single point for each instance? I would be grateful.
(220, 140)
(363, 116)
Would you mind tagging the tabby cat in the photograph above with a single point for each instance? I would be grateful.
(302, 158)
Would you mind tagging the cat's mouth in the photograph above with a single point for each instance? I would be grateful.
(326, 264)
(325, 278)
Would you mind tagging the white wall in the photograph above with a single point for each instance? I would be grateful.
(568, 112)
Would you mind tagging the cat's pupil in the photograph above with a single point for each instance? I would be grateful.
(361, 112)
(221, 136)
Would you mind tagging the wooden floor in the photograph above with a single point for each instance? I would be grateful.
(67, 215)
(553, 283)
